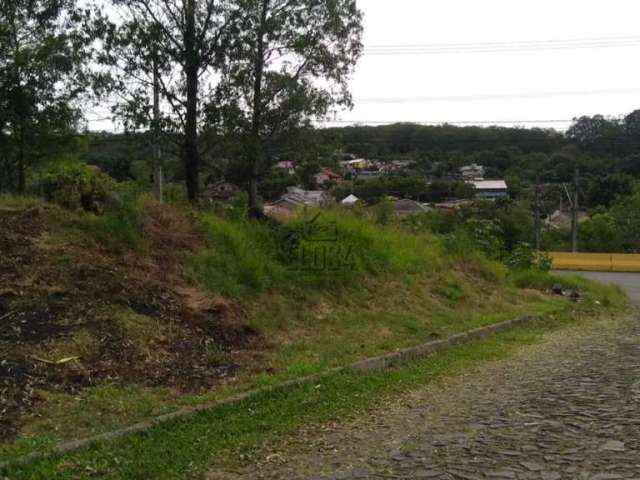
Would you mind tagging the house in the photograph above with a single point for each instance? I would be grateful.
(472, 172)
(355, 164)
(490, 189)
(406, 206)
(398, 165)
(287, 166)
(349, 201)
(308, 198)
(295, 198)
(220, 191)
(327, 175)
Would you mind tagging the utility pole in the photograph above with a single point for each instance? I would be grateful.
(536, 209)
(157, 166)
(574, 211)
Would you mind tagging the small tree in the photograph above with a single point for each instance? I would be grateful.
(43, 52)
(174, 46)
(288, 61)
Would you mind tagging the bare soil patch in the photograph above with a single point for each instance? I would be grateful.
(75, 316)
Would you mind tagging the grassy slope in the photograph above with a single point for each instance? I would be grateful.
(399, 290)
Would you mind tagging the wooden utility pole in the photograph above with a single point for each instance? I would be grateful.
(574, 211)
(157, 164)
(536, 209)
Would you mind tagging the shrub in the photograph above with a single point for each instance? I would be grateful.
(522, 257)
(120, 227)
(486, 236)
(384, 211)
(544, 262)
(437, 221)
(74, 185)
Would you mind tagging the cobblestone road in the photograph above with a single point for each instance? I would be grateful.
(568, 408)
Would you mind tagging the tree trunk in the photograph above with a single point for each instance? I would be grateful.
(191, 156)
(256, 142)
(157, 166)
(22, 177)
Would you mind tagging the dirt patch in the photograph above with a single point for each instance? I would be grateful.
(120, 318)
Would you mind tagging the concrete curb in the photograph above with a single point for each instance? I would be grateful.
(368, 365)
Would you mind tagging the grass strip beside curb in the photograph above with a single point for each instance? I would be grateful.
(363, 366)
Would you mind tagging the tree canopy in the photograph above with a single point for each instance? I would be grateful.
(44, 50)
(287, 62)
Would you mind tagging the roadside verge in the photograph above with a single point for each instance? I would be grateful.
(368, 365)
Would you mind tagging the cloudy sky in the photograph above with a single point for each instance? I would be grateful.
(535, 63)
(497, 61)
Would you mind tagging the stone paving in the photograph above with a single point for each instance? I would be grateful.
(568, 408)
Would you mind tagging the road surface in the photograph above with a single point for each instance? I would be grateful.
(566, 408)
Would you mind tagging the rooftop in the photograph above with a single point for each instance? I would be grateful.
(490, 184)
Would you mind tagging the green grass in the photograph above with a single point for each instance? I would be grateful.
(119, 228)
(241, 257)
(608, 295)
(399, 290)
(246, 257)
(102, 408)
(310, 331)
(188, 447)
(10, 201)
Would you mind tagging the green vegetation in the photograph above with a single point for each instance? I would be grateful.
(244, 256)
(73, 185)
(116, 307)
(120, 227)
(161, 277)
(237, 431)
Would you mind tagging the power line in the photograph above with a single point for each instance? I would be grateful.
(439, 122)
(498, 47)
(500, 96)
(570, 41)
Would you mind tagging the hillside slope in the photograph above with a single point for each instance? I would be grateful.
(110, 319)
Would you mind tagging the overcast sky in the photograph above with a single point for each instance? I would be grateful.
(611, 74)
(475, 83)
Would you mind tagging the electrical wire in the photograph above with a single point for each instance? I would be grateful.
(500, 47)
(499, 96)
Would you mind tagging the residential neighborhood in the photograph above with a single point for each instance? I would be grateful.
(337, 186)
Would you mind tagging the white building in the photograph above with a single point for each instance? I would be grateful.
(491, 189)
(350, 201)
(287, 166)
(472, 172)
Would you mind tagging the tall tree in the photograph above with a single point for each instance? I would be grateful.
(181, 39)
(596, 133)
(43, 52)
(288, 62)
